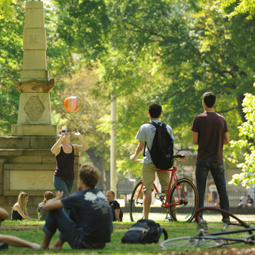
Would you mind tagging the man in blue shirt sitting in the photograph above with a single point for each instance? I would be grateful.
(89, 224)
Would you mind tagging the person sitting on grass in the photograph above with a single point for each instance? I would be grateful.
(19, 210)
(116, 211)
(42, 214)
(249, 201)
(6, 240)
(89, 224)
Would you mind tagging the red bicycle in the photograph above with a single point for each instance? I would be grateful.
(179, 204)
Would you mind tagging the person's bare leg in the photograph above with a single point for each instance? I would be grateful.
(17, 242)
(57, 245)
(45, 242)
(146, 203)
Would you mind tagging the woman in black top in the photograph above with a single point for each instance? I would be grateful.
(19, 210)
(65, 154)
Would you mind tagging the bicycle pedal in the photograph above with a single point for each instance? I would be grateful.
(184, 202)
(168, 218)
(161, 195)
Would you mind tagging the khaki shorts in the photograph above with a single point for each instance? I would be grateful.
(149, 177)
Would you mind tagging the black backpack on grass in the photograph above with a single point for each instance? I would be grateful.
(162, 148)
(144, 231)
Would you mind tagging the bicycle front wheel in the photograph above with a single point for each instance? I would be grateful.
(136, 203)
(184, 195)
(188, 242)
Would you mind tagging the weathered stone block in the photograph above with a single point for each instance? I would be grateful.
(34, 14)
(34, 130)
(39, 144)
(35, 60)
(30, 159)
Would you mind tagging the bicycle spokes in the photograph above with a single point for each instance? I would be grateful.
(136, 203)
(183, 200)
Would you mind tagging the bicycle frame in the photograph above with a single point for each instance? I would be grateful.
(173, 177)
(231, 232)
(225, 231)
(179, 199)
(218, 236)
(225, 238)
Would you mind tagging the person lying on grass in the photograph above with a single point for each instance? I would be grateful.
(89, 223)
(6, 240)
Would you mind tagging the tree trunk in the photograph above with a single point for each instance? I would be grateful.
(98, 161)
(240, 107)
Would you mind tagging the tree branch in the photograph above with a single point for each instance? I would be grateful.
(228, 110)
(138, 29)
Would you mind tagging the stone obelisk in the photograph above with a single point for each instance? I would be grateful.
(26, 161)
(34, 116)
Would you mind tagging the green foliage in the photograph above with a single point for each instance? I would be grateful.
(240, 6)
(142, 51)
(11, 30)
(83, 25)
(172, 52)
(245, 159)
(91, 120)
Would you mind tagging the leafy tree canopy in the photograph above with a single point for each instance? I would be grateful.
(244, 148)
(240, 6)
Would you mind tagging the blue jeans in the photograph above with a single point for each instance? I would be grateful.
(218, 173)
(69, 230)
(63, 185)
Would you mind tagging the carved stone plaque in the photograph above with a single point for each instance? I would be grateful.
(34, 108)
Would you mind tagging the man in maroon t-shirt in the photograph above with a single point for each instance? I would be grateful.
(210, 132)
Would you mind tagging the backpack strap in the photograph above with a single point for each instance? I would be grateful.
(144, 149)
(155, 125)
(165, 233)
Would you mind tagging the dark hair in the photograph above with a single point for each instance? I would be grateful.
(47, 195)
(155, 110)
(89, 175)
(209, 99)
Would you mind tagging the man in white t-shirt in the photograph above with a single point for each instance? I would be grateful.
(146, 135)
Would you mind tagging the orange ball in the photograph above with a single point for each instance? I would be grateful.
(72, 104)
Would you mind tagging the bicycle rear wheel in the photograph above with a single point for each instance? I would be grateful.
(187, 242)
(136, 203)
(184, 193)
(231, 228)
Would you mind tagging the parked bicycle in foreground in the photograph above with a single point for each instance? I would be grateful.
(179, 204)
(213, 232)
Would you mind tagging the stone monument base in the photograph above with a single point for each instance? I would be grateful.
(37, 130)
(27, 164)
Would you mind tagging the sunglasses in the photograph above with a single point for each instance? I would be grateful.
(65, 130)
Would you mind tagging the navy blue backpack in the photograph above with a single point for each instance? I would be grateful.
(144, 231)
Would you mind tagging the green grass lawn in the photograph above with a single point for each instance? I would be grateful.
(30, 230)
